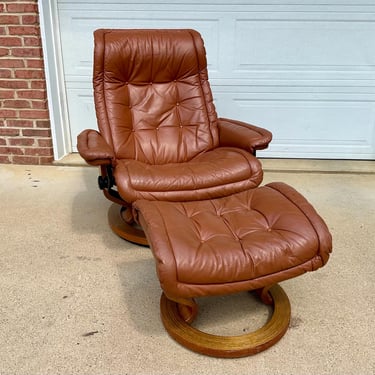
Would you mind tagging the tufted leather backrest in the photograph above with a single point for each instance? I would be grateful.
(152, 96)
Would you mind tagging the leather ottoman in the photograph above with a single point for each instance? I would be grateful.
(247, 241)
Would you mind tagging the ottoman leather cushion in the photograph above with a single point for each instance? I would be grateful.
(241, 242)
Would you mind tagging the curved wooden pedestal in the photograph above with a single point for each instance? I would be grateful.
(229, 346)
(129, 232)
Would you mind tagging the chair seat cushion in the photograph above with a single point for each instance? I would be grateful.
(216, 173)
(241, 242)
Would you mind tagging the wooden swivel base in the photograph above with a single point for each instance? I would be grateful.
(227, 346)
(130, 232)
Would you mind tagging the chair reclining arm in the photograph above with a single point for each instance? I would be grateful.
(94, 148)
(239, 134)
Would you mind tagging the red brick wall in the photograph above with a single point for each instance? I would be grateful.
(25, 135)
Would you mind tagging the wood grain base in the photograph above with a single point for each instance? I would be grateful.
(228, 346)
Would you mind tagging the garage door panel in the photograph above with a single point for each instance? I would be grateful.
(307, 125)
(81, 106)
(305, 45)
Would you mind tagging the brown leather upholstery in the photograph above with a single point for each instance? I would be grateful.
(158, 128)
(242, 242)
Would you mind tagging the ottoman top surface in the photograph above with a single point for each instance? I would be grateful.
(240, 237)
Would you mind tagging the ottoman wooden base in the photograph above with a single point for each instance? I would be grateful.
(228, 346)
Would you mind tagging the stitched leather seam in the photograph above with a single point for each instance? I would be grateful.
(201, 88)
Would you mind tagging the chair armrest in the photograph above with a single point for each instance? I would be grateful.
(94, 148)
(234, 133)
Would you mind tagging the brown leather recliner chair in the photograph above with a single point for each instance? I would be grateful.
(159, 135)
(190, 179)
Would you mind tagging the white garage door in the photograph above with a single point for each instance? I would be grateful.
(305, 72)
